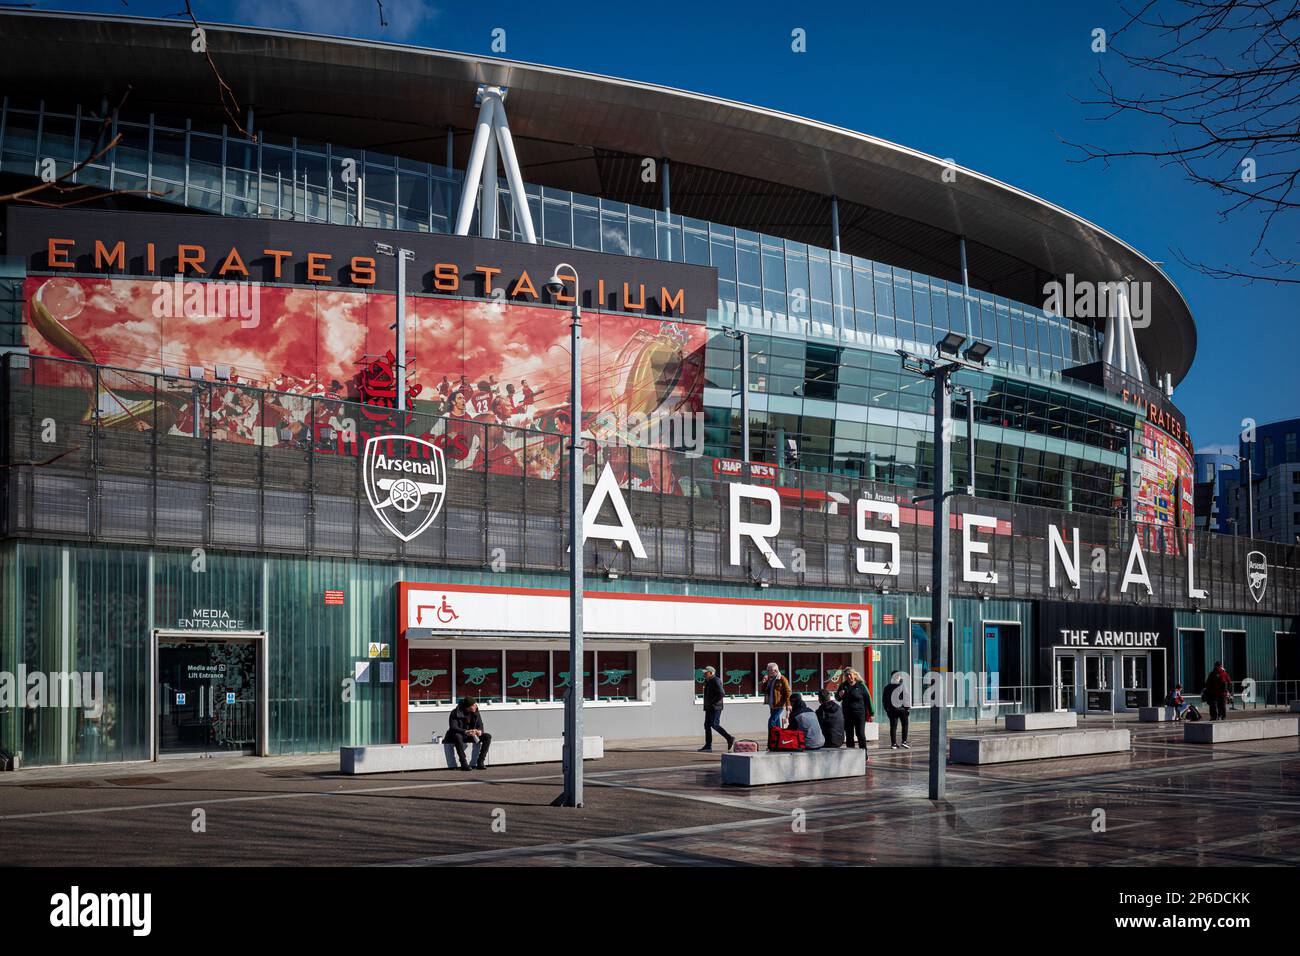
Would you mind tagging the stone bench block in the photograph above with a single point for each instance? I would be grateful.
(1155, 715)
(394, 758)
(767, 767)
(1043, 721)
(1008, 748)
(1223, 731)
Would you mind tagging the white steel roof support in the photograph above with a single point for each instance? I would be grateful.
(492, 136)
(514, 176)
(474, 168)
(1126, 319)
(490, 206)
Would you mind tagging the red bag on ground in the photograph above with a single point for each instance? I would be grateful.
(785, 738)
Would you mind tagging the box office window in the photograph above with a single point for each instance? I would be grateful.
(742, 671)
(616, 677)
(805, 673)
(833, 668)
(528, 675)
(705, 659)
(562, 679)
(478, 674)
(430, 675)
(738, 678)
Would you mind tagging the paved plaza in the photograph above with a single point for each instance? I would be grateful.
(659, 803)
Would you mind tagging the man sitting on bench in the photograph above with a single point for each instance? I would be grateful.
(465, 725)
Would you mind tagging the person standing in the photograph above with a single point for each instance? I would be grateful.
(465, 726)
(856, 701)
(898, 705)
(1218, 688)
(713, 695)
(776, 690)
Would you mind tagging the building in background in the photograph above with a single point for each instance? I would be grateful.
(1275, 461)
(216, 501)
(1211, 503)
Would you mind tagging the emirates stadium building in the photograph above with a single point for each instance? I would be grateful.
(286, 402)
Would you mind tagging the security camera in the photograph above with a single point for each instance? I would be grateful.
(555, 285)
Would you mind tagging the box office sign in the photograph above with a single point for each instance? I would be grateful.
(276, 251)
(433, 609)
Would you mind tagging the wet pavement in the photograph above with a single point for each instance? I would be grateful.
(660, 803)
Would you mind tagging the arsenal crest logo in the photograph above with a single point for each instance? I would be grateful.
(855, 621)
(1256, 574)
(406, 481)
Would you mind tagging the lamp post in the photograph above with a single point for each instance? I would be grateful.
(1249, 462)
(572, 795)
(951, 359)
(403, 257)
(743, 339)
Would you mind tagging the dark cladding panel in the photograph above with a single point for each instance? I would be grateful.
(333, 257)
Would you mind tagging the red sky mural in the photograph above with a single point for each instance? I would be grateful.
(493, 363)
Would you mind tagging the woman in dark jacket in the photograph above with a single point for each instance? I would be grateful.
(856, 701)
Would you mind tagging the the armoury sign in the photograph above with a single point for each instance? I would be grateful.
(276, 252)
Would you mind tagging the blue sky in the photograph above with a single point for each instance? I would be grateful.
(994, 85)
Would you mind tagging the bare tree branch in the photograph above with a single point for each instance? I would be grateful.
(229, 102)
(1221, 80)
(60, 185)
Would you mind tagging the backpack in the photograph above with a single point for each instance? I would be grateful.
(785, 738)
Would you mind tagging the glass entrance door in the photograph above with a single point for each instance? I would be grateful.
(208, 697)
(1065, 680)
(1136, 672)
(1098, 682)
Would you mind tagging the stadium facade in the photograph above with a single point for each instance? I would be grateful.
(244, 518)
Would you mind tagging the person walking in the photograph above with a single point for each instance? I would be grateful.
(776, 691)
(856, 701)
(713, 695)
(831, 718)
(898, 705)
(1218, 688)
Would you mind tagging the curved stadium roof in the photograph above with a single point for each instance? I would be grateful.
(732, 163)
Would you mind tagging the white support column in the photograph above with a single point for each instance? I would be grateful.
(489, 206)
(515, 178)
(1136, 363)
(474, 168)
(1110, 339)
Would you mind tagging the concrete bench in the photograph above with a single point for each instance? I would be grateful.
(394, 758)
(768, 767)
(1043, 721)
(1156, 715)
(1007, 748)
(1223, 731)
